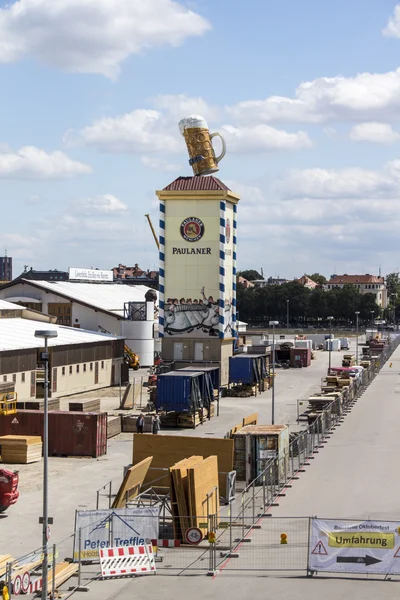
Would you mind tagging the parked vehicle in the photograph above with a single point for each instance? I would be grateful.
(9, 493)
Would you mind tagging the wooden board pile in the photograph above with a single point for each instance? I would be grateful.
(241, 391)
(54, 404)
(113, 426)
(21, 449)
(92, 405)
(349, 360)
(132, 483)
(5, 559)
(63, 571)
(194, 493)
(167, 450)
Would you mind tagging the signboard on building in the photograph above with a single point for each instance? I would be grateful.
(355, 546)
(90, 274)
(112, 528)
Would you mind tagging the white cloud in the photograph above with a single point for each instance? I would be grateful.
(33, 163)
(179, 106)
(379, 133)
(341, 183)
(392, 29)
(366, 96)
(92, 36)
(135, 132)
(263, 138)
(159, 164)
(105, 203)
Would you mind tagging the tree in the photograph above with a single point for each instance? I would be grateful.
(393, 288)
(250, 274)
(318, 278)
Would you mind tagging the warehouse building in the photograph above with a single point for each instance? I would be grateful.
(79, 360)
(126, 311)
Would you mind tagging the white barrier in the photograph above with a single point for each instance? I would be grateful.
(127, 560)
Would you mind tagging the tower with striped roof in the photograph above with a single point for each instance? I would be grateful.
(197, 298)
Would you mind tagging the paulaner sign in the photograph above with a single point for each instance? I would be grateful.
(191, 250)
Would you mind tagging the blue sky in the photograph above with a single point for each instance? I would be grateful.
(306, 94)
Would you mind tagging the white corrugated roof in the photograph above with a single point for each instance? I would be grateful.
(108, 296)
(4, 305)
(16, 334)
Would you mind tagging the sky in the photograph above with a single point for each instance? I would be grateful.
(306, 95)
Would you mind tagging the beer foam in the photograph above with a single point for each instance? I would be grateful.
(194, 121)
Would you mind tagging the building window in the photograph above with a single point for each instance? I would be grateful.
(22, 377)
(4, 377)
(70, 370)
(15, 378)
(91, 366)
(77, 368)
(102, 364)
(63, 371)
(84, 368)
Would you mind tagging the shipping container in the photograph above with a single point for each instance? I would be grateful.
(333, 345)
(70, 433)
(255, 446)
(249, 368)
(300, 357)
(180, 391)
(210, 382)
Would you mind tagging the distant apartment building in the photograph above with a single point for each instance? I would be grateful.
(244, 282)
(366, 284)
(5, 268)
(135, 275)
(307, 282)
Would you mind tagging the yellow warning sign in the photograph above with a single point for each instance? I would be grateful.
(347, 539)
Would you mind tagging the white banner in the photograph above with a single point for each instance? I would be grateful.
(90, 274)
(355, 546)
(112, 528)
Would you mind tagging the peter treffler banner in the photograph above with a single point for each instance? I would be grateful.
(355, 546)
(112, 528)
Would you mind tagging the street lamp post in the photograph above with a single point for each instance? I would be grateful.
(44, 356)
(330, 319)
(357, 313)
(287, 314)
(273, 323)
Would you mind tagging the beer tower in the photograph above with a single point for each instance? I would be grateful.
(197, 319)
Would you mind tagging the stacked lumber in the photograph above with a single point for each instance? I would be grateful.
(21, 449)
(5, 559)
(54, 404)
(92, 405)
(349, 360)
(180, 495)
(203, 490)
(194, 493)
(129, 423)
(113, 426)
(167, 450)
(133, 480)
(189, 420)
(169, 419)
(63, 571)
(241, 391)
(148, 424)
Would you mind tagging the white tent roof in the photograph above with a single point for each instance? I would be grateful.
(16, 334)
(4, 305)
(104, 296)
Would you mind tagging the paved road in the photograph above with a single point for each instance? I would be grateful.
(354, 476)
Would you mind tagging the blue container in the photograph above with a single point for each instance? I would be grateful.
(247, 368)
(180, 392)
(213, 372)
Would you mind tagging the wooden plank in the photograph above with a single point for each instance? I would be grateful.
(180, 484)
(167, 450)
(92, 405)
(132, 482)
(203, 482)
(250, 419)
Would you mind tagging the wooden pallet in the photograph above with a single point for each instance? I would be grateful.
(21, 449)
(92, 405)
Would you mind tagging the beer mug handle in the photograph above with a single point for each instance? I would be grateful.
(221, 156)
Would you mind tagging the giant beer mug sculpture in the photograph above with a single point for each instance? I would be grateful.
(198, 141)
